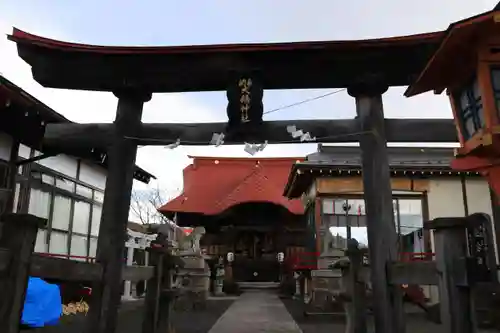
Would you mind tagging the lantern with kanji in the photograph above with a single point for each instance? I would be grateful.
(467, 66)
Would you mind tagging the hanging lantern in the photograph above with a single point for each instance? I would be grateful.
(467, 66)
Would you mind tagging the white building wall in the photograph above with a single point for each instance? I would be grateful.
(445, 199)
(479, 201)
(61, 163)
(93, 175)
(66, 207)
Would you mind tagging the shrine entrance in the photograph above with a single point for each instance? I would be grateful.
(243, 211)
(256, 233)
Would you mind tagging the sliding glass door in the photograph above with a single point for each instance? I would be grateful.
(346, 218)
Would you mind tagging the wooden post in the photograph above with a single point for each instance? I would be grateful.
(357, 306)
(18, 236)
(106, 294)
(456, 303)
(150, 319)
(166, 300)
(159, 296)
(382, 238)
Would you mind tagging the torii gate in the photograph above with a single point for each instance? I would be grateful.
(366, 68)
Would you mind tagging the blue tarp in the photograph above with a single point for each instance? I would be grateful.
(42, 305)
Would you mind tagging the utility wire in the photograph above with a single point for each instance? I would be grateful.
(305, 101)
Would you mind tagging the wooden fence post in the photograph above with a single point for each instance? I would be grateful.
(159, 297)
(357, 322)
(455, 297)
(17, 237)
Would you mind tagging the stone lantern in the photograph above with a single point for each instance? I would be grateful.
(467, 66)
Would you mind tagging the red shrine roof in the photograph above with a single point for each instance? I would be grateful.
(213, 185)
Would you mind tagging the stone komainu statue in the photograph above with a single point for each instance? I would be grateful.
(192, 241)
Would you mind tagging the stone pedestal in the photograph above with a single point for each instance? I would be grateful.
(325, 283)
(329, 256)
(326, 279)
(195, 275)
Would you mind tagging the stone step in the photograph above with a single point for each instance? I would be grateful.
(256, 312)
(258, 285)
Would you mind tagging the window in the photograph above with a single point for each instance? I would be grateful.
(310, 216)
(409, 225)
(39, 203)
(16, 197)
(81, 217)
(408, 220)
(495, 81)
(65, 184)
(78, 247)
(58, 242)
(62, 213)
(341, 212)
(99, 196)
(41, 241)
(410, 216)
(48, 179)
(84, 191)
(93, 247)
(96, 220)
(470, 109)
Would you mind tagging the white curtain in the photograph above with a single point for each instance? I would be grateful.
(39, 203)
(96, 220)
(58, 243)
(93, 247)
(78, 247)
(81, 217)
(41, 245)
(61, 214)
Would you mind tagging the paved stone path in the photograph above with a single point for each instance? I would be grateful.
(256, 312)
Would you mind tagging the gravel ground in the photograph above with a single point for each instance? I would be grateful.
(130, 319)
(415, 323)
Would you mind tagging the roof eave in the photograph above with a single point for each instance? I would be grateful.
(23, 37)
(419, 86)
(51, 116)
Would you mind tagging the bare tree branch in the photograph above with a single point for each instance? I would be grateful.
(144, 205)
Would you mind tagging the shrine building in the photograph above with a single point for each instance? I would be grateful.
(64, 186)
(424, 187)
(240, 203)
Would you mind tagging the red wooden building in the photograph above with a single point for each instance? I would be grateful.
(240, 202)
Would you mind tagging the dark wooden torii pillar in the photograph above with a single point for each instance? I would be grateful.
(382, 237)
(112, 232)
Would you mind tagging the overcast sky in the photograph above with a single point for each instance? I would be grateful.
(187, 22)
